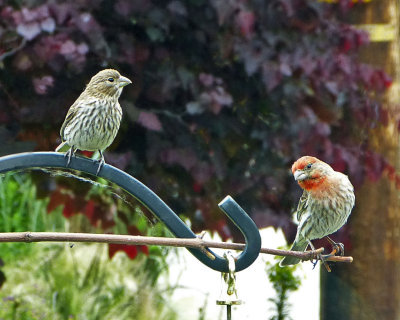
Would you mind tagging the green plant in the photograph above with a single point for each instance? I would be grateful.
(226, 95)
(22, 210)
(81, 282)
(283, 281)
(58, 281)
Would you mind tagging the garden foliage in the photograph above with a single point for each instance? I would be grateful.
(226, 95)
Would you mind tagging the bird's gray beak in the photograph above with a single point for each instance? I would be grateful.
(123, 81)
(299, 175)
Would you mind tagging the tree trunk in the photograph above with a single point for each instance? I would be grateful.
(369, 288)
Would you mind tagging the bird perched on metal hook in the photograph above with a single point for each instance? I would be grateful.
(92, 122)
(324, 207)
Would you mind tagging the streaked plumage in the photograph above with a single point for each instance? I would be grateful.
(325, 205)
(92, 122)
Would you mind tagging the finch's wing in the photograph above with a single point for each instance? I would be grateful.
(70, 115)
(302, 206)
(75, 109)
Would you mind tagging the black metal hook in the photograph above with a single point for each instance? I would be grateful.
(150, 200)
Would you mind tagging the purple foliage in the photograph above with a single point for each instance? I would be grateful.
(230, 92)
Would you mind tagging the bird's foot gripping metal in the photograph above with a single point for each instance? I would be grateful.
(101, 162)
(150, 200)
(70, 153)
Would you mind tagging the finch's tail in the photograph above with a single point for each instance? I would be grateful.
(63, 147)
(298, 245)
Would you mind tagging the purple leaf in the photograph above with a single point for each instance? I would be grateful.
(194, 107)
(48, 25)
(62, 12)
(221, 97)
(206, 79)
(184, 157)
(124, 7)
(245, 21)
(87, 24)
(68, 48)
(285, 69)
(29, 15)
(271, 77)
(29, 30)
(177, 8)
(82, 48)
(344, 63)
(150, 121)
(202, 172)
(332, 87)
(225, 9)
(41, 84)
(42, 12)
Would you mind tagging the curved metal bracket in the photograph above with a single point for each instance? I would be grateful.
(151, 201)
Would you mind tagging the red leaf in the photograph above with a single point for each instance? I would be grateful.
(57, 198)
(90, 209)
(144, 249)
(131, 251)
(197, 187)
(68, 210)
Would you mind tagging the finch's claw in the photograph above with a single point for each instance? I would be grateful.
(319, 257)
(341, 248)
(69, 154)
(101, 163)
(323, 261)
(337, 247)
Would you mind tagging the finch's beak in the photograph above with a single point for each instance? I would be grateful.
(123, 81)
(299, 175)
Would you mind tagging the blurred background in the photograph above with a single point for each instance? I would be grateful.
(226, 95)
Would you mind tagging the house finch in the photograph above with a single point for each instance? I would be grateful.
(92, 122)
(324, 207)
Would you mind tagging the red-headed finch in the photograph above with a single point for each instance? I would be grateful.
(92, 122)
(325, 205)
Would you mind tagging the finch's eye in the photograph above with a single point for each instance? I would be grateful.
(111, 79)
(309, 166)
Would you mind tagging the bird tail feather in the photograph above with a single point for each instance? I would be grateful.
(300, 245)
(63, 147)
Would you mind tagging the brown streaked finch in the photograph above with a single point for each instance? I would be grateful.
(324, 207)
(92, 122)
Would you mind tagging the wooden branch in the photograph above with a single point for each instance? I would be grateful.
(198, 243)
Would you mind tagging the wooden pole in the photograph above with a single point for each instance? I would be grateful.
(159, 241)
(370, 287)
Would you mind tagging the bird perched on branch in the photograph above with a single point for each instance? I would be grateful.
(92, 122)
(324, 207)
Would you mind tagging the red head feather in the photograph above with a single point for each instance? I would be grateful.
(301, 163)
(311, 173)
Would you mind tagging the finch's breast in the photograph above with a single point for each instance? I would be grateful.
(328, 212)
(95, 126)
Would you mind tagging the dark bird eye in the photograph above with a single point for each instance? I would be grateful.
(111, 79)
(309, 166)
